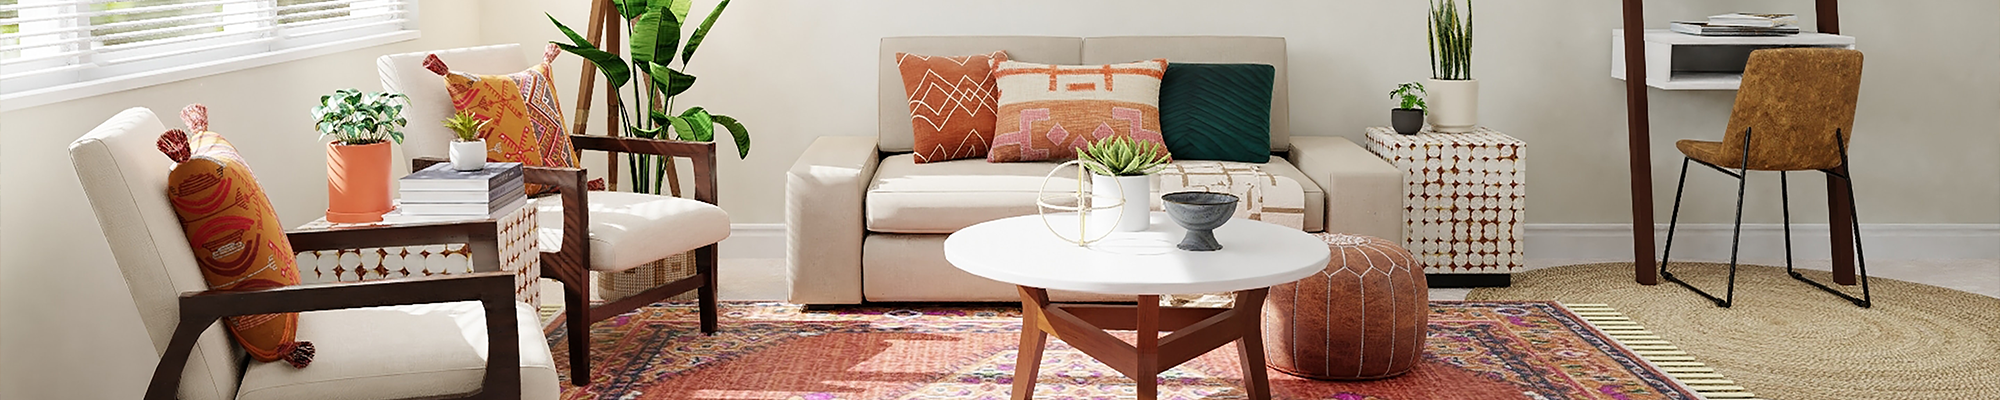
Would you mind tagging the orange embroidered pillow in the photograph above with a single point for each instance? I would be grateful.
(1048, 112)
(235, 234)
(952, 103)
(527, 117)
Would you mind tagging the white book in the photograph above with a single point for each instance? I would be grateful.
(466, 209)
(1753, 20)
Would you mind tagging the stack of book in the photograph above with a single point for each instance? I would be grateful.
(439, 190)
(1740, 24)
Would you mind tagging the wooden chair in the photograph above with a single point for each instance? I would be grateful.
(468, 336)
(1794, 112)
(620, 231)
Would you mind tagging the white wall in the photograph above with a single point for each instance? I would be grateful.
(797, 69)
(68, 329)
(1927, 150)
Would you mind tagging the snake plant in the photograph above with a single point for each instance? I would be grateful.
(1450, 40)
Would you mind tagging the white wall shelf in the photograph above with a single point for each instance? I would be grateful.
(1677, 61)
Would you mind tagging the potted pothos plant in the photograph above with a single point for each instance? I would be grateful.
(468, 149)
(1453, 94)
(357, 159)
(1124, 165)
(1408, 116)
(655, 28)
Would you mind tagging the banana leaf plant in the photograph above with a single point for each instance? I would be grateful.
(655, 27)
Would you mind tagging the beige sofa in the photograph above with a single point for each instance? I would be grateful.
(866, 223)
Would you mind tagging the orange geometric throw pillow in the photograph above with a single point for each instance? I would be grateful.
(235, 234)
(952, 103)
(1049, 112)
(527, 120)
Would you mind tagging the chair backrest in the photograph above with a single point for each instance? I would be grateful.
(1791, 102)
(1206, 49)
(430, 104)
(125, 177)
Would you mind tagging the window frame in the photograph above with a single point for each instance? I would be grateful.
(276, 48)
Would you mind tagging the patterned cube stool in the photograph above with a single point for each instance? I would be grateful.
(1362, 318)
(518, 254)
(1463, 203)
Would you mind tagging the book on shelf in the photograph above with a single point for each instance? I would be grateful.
(495, 208)
(462, 196)
(1707, 29)
(441, 176)
(1753, 20)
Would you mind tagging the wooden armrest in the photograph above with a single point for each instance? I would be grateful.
(494, 291)
(702, 153)
(482, 238)
(572, 259)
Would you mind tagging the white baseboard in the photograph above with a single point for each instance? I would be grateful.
(1692, 242)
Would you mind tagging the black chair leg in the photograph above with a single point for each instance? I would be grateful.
(1674, 222)
(1861, 259)
(1736, 239)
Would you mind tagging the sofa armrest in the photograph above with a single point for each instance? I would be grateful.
(1364, 194)
(824, 222)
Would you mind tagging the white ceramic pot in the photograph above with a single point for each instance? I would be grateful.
(1453, 104)
(468, 156)
(1135, 215)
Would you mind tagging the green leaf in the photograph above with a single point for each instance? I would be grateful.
(396, 134)
(700, 33)
(655, 35)
(574, 38)
(649, 133)
(737, 131)
(660, 118)
(680, 8)
(700, 127)
(610, 65)
(673, 82)
(680, 127)
(630, 8)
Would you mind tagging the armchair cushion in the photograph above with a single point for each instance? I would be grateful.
(235, 234)
(402, 352)
(527, 119)
(631, 229)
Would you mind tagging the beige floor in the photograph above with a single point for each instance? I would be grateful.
(763, 279)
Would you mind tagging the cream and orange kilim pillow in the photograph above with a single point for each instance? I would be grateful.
(234, 233)
(1048, 112)
(527, 120)
(951, 103)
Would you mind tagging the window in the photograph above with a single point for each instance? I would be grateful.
(54, 50)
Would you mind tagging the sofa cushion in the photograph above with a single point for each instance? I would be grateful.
(951, 103)
(1049, 112)
(402, 352)
(1207, 49)
(893, 108)
(941, 197)
(1217, 111)
(631, 229)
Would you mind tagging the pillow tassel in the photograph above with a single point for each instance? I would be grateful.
(298, 354)
(431, 62)
(196, 117)
(174, 143)
(549, 54)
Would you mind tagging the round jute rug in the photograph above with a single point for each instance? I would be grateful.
(1786, 340)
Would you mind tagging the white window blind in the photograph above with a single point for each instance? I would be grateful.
(52, 44)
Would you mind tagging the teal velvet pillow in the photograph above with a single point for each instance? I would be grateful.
(1217, 111)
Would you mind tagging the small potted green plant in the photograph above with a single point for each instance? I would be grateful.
(468, 150)
(357, 159)
(1124, 165)
(1408, 118)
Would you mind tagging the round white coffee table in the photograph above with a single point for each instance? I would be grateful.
(1255, 255)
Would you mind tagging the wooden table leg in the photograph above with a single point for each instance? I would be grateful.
(1840, 223)
(1251, 346)
(1148, 330)
(1028, 361)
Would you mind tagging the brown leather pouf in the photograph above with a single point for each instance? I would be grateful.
(1361, 318)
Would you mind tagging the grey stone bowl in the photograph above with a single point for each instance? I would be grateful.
(1200, 213)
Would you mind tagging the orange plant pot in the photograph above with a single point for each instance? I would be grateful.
(357, 182)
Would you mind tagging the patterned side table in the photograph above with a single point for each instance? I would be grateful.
(518, 254)
(1463, 202)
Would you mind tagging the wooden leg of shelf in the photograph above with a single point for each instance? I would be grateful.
(1840, 223)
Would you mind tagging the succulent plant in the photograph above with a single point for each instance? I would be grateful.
(1450, 40)
(1411, 94)
(466, 126)
(1124, 156)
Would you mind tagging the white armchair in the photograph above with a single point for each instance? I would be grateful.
(453, 336)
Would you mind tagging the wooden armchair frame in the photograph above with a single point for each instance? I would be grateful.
(571, 265)
(488, 284)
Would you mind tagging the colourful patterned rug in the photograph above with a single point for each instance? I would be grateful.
(1477, 350)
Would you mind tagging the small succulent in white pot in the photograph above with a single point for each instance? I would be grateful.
(1124, 165)
(468, 150)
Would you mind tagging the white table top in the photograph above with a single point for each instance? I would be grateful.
(1022, 251)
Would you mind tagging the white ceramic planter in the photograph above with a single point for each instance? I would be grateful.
(468, 156)
(1453, 104)
(1133, 216)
